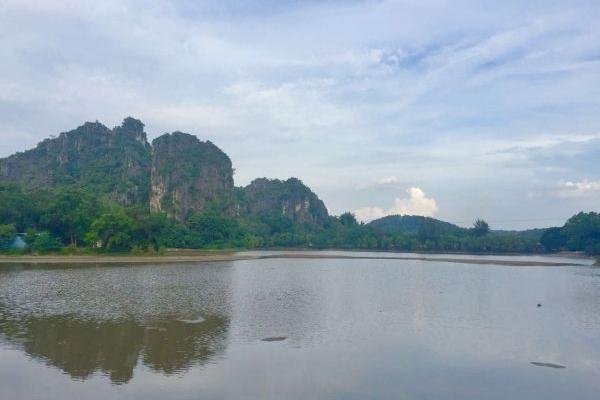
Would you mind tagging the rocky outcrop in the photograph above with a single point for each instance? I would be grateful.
(188, 175)
(115, 162)
(290, 198)
(178, 174)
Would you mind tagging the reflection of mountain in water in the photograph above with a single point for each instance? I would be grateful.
(81, 347)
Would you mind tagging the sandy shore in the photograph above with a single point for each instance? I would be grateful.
(199, 257)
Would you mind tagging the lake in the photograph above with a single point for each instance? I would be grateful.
(301, 329)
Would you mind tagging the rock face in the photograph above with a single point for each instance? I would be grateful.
(115, 162)
(178, 174)
(188, 175)
(290, 198)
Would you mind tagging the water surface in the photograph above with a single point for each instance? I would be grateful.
(300, 328)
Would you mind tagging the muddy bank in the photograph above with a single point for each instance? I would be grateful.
(177, 257)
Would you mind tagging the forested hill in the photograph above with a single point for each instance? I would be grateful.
(411, 224)
(115, 162)
(536, 233)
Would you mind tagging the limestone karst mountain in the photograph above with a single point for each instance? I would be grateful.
(177, 174)
(291, 197)
(187, 175)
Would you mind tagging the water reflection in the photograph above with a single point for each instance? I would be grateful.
(353, 329)
(112, 319)
(82, 347)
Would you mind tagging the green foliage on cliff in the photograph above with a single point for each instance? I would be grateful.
(113, 162)
(18, 207)
(188, 175)
(273, 198)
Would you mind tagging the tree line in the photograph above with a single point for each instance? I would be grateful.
(581, 232)
(74, 220)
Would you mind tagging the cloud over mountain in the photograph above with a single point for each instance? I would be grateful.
(415, 204)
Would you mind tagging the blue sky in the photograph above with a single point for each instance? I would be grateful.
(457, 109)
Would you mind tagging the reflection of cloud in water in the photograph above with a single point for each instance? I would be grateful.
(81, 347)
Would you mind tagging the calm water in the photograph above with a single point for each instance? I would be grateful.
(353, 329)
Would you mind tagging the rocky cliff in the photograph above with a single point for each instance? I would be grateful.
(290, 198)
(188, 175)
(115, 162)
(178, 174)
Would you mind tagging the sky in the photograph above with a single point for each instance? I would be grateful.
(453, 109)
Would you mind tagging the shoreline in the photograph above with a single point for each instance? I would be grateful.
(202, 257)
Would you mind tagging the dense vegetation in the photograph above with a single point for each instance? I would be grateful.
(113, 162)
(580, 233)
(72, 219)
(411, 224)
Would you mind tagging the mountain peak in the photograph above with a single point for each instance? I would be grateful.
(132, 125)
(290, 197)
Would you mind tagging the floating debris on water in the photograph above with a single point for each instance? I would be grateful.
(192, 321)
(274, 339)
(549, 365)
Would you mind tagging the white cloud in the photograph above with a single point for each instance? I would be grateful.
(416, 204)
(390, 180)
(387, 182)
(578, 188)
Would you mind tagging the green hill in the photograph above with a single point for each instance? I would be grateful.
(411, 224)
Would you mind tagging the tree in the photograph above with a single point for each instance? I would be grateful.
(7, 234)
(151, 229)
(553, 239)
(480, 228)
(212, 229)
(17, 207)
(428, 231)
(582, 232)
(42, 242)
(111, 231)
(348, 219)
(69, 214)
